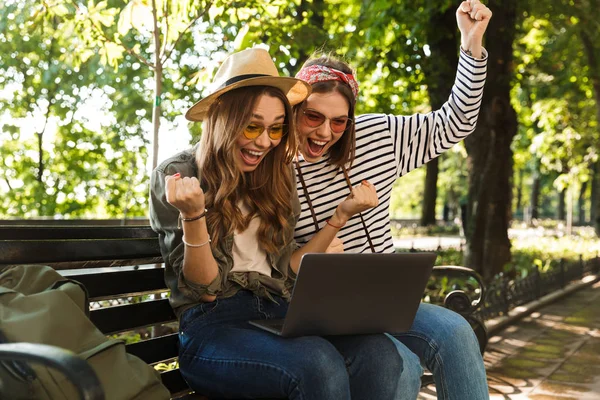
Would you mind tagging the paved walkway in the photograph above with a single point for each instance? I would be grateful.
(552, 354)
(428, 242)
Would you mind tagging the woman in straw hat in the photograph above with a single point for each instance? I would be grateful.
(225, 213)
(337, 150)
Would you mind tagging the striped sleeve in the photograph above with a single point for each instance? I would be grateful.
(419, 138)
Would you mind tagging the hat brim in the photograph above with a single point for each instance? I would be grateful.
(296, 90)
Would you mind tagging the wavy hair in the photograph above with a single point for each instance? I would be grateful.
(266, 191)
(343, 151)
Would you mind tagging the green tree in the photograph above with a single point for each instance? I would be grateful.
(490, 153)
(148, 30)
(58, 157)
(555, 97)
(443, 39)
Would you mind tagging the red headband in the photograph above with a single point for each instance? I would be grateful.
(321, 73)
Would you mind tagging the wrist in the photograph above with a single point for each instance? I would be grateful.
(472, 48)
(190, 217)
(191, 214)
(338, 219)
(334, 225)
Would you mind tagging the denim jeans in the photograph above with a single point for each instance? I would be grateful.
(221, 355)
(443, 342)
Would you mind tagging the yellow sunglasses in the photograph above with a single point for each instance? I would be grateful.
(275, 132)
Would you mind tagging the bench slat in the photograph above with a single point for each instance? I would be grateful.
(127, 317)
(71, 265)
(48, 251)
(33, 232)
(122, 283)
(156, 350)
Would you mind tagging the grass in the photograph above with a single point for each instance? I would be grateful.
(541, 247)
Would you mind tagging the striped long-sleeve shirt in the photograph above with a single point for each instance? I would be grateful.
(387, 147)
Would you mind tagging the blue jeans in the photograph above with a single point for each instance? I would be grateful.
(443, 342)
(221, 355)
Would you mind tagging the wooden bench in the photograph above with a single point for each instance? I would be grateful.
(89, 254)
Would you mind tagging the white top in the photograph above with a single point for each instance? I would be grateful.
(387, 147)
(248, 256)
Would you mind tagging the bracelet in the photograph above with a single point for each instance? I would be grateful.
(469, 52)
(195, 245)
(203, 214)
(335, 226)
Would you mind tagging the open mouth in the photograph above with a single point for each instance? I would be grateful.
(315, 147)
(251, 157)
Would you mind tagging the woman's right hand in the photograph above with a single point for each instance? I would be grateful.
(362, 197)
(185, 194)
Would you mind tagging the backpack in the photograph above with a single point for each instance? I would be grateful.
(38, 305)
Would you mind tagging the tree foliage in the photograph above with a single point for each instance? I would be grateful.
(83, 84)
(555, 95)
(58, 156)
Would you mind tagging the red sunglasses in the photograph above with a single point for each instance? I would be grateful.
(314, 119)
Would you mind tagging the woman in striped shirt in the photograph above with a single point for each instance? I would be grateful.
(340, 154)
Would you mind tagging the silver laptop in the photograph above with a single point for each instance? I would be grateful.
(343, 294)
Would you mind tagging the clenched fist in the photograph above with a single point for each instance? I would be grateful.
(185, 194)
(362, 197)
(472, 18)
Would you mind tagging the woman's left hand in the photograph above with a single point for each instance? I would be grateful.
(362, 197)
(473, 18)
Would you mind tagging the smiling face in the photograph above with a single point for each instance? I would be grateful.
(316, 141)
(268, 112)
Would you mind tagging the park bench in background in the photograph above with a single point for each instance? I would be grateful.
(89, 254)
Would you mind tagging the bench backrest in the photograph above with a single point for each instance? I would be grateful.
(97, 250)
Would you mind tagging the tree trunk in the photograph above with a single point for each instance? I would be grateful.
(157, 87)
(40, 173)
(156, 113)
(519, 204)
(594, 74)
(581, 204)
(440, 71)
(490, 156)
(430, 193)
(40, 135)
(535, 193)
(562, 208)
(594, 192)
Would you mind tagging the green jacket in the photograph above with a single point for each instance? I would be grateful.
(185, 294)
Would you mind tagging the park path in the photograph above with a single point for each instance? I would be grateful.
(552, 354)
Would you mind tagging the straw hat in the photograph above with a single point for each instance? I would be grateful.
(250, 67)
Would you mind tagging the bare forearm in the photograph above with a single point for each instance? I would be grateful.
(320, 241)
(473, 47)
(199, 265)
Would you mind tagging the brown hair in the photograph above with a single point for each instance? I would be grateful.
(342, 152)
(266, 191)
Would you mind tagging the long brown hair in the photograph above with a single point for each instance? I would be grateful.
(266, 191)
(342, 152)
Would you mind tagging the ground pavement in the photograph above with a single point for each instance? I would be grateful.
(552, 354)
